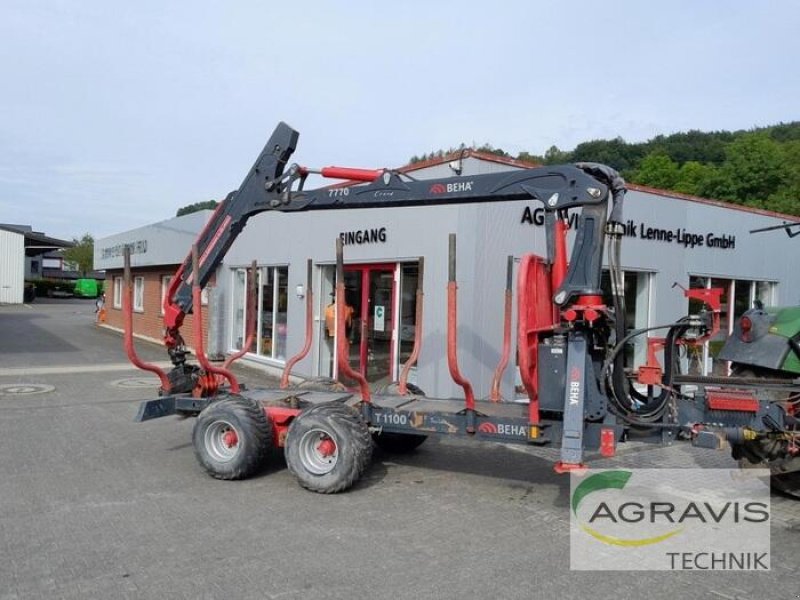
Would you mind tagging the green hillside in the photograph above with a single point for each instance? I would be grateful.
(758, 167)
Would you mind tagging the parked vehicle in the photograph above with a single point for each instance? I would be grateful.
(29, 292)
(570, 349)
(86, 288)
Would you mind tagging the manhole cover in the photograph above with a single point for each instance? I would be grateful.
(26, 389)
(136, 382)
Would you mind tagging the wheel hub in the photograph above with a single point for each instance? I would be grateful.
(318, 452)
(230, 439)
(327, 447)
(222, 441)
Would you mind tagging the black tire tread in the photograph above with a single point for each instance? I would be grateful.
(355, 452)
(256, 428)
(398, 443)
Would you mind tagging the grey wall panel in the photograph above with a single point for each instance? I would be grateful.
(164, 243)
(487, 234)
(12, 267)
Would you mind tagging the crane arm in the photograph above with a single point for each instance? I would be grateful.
(270, 182)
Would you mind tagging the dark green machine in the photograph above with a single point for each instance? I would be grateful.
(765, 342)
(765, 345)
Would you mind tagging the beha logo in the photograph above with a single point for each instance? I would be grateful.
(575, 386)
(487, 427)
(451, 188)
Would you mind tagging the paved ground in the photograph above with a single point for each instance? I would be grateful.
(93, 505)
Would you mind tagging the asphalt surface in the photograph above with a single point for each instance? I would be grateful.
(93, 505)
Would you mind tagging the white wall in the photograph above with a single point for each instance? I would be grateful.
(487, 234)
(12, 267)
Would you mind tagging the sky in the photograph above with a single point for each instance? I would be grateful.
(115, 114)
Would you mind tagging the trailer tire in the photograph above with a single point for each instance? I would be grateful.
(398, 443)
(232, 438)
(328, 447)
(780, 481)
(325, 384)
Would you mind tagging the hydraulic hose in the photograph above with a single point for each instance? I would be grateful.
(628, 412)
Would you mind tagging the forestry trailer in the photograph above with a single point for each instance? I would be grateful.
(570, 344)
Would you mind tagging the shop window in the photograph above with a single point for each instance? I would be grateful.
(636, 286)
(238, 306)
(765, 292)
(138, 294)
(166, 281)
(738, 296)
(409, 276)
(272, 311)
(117, 292)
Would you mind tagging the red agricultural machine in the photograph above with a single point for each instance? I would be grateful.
(570, 345)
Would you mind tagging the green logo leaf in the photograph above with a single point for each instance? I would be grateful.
(599, 481)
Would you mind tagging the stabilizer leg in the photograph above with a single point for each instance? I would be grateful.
(574, 396)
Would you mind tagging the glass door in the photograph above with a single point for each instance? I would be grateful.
(380, 325)
(370, 292)
(377, 347)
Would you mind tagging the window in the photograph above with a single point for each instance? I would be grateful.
(138, 294)
(34, 266)
(117, 292)
(765, 292)
(239, 304)
(272, 316)
(166, 280)
(271, 311)
(636, 291)
(743, 293)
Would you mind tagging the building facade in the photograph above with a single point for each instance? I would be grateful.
(12, 266)
(21, 257)
(156, 252)
(669, 239)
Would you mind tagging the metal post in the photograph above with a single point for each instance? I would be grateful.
(211, 383)
(342, 344)
(412, 359)
(309, 329)
(501, 367)
(250, 318)
(127, 312)
(452, 328)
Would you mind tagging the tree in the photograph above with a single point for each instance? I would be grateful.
(755, 165)
(657, 170)
(554, 156)
(81, 254)
(197, 206)
(691, 177)
(489, 149)
(530, 158)
(615, 153)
